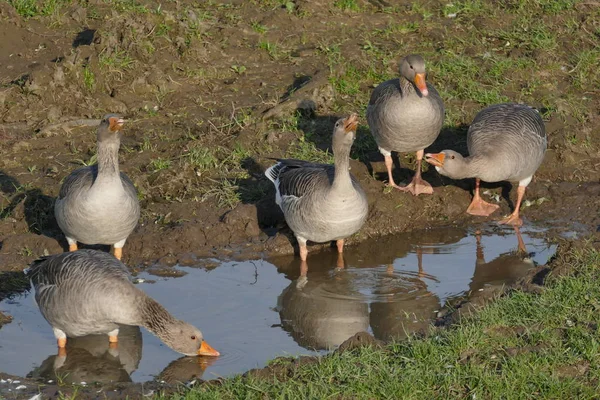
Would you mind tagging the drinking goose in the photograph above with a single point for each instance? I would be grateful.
(322, 202)
(88, 292)
(406, 115)
(506, 142)
(97, 204)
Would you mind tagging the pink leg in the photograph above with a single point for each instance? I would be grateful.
(389, 164)
(514, 219)
(478, 206)
(522, 248)
(418, 185)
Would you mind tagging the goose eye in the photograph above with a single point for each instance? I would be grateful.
(193, 337)
(411, 67)
(453, 157)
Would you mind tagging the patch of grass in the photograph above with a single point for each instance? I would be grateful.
(307, 151)
(89, 79)
(159, 164)
(351, 5)
(585, 72)
(117, 60)
(226, 192)
(258, 27)
(522, 346)
(128, 6)
(201, 158)
(271, 48)
(34, 8)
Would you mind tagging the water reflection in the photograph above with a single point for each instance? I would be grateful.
(185, 369)
(93, 359)
(391, 287)
(377, 288)
(506, 268)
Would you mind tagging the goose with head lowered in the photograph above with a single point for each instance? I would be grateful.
(97, 204)
(406, 115)
(322, 202)
(89, 292)
(506, 142)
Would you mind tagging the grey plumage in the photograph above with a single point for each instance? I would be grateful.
(321, 202)
(89, 292)
(405, 115)
(97, 204)
(403, 120)
(506, 142)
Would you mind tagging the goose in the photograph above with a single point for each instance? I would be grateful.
(406, 115)
(89, 292)
(97, 204)
(506, 142)
(321, 202)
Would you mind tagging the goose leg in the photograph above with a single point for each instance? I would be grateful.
(72, 244)
(389, 163)
(61, 341)
(418, 185)
(113, 337)
(118, 248)
(118, 253)
(514, 219)
(303, 248)
(522, 248)
(478, 206)
(340, 245)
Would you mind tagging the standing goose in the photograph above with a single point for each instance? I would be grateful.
(506, 142)
(97, 204)
(406, 115)
(322, 202)
(89, 292)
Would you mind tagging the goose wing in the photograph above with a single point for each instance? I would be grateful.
(81, 178)
(293, 179)
(47, 274)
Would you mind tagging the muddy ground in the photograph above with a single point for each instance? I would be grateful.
(212, 90)
(209, 92)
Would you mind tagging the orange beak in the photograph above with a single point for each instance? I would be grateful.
(206, 350)
(116, 124)
(351, 123)
(420, 82)
(435, 159)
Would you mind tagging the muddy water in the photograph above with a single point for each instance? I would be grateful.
(256, 310)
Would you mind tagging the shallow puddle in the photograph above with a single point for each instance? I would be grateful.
(256, 310)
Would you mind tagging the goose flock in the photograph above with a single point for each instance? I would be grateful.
(89, 292)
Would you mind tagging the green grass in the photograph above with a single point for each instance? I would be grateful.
(351, 5)
(522, 346)
(159, 164)
(308, 151)
(35, 8)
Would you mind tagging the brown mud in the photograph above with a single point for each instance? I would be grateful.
(177, 78)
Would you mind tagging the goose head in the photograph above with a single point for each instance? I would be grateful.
(186, 339)
(412, 68)
(344, 132)
(448, 163)
(110, 127)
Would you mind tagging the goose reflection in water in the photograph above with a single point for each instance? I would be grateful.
(93, 359)
(329, 303)
(403, 304)
(506, 268)
(185, 369)
(323, 310)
